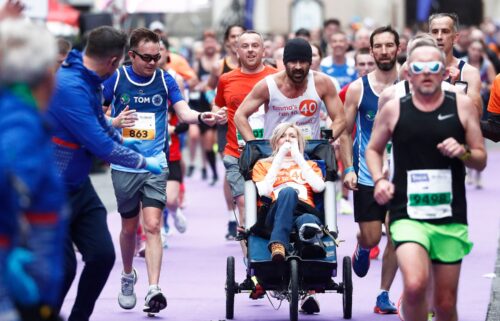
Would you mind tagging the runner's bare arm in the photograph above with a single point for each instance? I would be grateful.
(386, 95)
(258, 96)
(190, 116)
(471, 76)
(333, 104)
(350, 109)
(213, 79)
(473, 137)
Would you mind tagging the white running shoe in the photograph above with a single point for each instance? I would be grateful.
(180, 221)
(164, 235)
(127, 298)
(155, 300)
(345, 207)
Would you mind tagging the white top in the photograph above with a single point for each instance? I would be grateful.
(302, 111)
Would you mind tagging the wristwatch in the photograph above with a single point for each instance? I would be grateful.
(466, 155)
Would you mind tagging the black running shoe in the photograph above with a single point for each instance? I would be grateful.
(231, 231)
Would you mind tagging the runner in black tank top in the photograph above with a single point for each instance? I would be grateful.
(415, 138)
(434, 134)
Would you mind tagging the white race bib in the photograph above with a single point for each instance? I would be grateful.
(194, 95)
(256, 121)
(299, 188)
(306, 132)
(144, 127)
(429, 194)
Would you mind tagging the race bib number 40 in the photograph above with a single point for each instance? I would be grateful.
(144, 127)
(429, 194)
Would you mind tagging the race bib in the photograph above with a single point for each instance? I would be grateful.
(429, 194)
(307, 132)
(194, 95)
(144, 127)
(299, 188)
(256, 121)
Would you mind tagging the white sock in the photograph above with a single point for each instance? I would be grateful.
(231, 214)
(131, 274)
(153, 287)
(382, 291)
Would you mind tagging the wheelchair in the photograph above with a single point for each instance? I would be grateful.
(293, 278)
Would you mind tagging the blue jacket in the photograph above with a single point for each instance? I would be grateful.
(80, 127)
(31, 187)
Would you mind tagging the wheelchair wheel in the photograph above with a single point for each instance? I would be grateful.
(294, 290)
(347, 287)
(230, 287)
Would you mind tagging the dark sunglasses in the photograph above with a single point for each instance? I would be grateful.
(148, 58)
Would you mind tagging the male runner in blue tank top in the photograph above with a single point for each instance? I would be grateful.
(145, 88)
(428, 210)
(361, 106)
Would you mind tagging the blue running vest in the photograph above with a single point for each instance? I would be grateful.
(149, 99)
(367, 111)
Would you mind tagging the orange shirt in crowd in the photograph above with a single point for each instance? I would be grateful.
(287, 177)
(181, 66)
(233, 87)
(494, 102)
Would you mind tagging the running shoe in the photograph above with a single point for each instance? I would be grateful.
(384, 305)
(180, 221)
(374, 252)
(231, 230)
(190, 171)
(127, 298)
(163, 235)
(214, 180)
(361, 261)
(155, 300)
(309, 304)
(345, 207)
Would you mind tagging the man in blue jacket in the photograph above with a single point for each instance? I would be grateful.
(32, 198)
(80, 130)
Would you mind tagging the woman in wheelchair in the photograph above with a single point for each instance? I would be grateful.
(288, 180)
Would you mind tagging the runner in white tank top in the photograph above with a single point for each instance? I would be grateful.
(302, 111)
(293, 95)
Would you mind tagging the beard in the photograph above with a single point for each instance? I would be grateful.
(386, 66)
(297, 76)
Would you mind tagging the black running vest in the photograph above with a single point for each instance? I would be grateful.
(415, 139)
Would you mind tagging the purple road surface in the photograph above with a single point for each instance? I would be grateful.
(194, 265)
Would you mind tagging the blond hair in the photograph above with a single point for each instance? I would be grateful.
(280, 130)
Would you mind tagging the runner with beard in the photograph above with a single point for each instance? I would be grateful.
(361, 105)
(293, 95)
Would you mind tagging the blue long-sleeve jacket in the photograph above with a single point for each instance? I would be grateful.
(31, 187)
(80, 127)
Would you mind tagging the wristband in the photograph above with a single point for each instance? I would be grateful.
(200, 121)
(466, 155)
(378, 180)
(348, 170)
